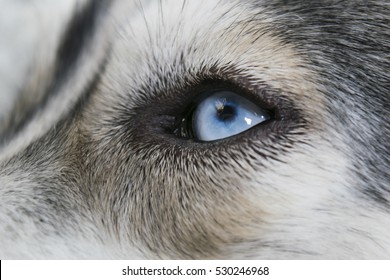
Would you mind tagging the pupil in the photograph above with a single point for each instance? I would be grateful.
(226, 113)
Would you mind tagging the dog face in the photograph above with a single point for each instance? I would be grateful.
(134, 137)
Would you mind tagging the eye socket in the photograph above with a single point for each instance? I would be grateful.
(222, 114)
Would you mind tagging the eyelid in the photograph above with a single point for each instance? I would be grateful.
(258, 94)
(159, 119)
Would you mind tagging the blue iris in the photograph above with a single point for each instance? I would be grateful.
(224, 114)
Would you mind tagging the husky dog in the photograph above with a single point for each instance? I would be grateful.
(195, 129)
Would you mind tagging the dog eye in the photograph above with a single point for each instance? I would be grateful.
(223, 114)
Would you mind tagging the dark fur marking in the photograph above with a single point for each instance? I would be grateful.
(353, 64)
(79, 32)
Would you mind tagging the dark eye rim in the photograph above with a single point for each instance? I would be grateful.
(154, 120)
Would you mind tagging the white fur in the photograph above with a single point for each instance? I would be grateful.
(305, 202)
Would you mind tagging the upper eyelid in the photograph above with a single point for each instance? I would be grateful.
(180, 92)
(188, 83)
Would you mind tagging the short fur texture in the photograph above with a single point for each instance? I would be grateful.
(92, 166)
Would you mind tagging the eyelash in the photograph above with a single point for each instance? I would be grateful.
(159, 120)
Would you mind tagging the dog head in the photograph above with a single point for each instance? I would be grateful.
(116, 157)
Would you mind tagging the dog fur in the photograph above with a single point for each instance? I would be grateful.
(91, 165)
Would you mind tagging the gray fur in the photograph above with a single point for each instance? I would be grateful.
(97, 169)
